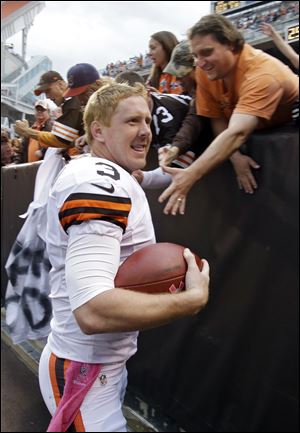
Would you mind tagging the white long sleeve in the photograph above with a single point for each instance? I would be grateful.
(155, 179)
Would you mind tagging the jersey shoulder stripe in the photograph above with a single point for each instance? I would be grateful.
(64, 131)
(80, 207)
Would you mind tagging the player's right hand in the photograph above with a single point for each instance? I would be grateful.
(167, 154)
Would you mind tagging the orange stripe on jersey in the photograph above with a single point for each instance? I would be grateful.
(81, 207)
(95, 203)
(80, 217)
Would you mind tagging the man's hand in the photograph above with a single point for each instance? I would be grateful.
(196, 279)
(80, 143)
(177, 191)
(22, 128)
(138, 174)
(242, 165)
(166, 154)
(267, 29)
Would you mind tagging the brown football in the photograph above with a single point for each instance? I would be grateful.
(154, 269)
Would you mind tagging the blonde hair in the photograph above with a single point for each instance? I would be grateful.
(101, 82)
(103, 103)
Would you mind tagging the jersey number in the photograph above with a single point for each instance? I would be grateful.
(164, 115)
(108, 170)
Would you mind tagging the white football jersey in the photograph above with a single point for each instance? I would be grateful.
(92, 195)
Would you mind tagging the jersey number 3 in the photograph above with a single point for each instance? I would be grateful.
(108, 170)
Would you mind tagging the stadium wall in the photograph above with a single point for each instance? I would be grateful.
(233, 367)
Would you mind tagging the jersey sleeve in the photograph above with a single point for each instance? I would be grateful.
(92, 202)
(47, 139)
(69, 126)
(91, 266)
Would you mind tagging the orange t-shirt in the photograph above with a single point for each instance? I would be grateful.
(33, 146)
(169, 84)
(262, 86)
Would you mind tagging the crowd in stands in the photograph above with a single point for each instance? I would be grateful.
(162, 78)
(251, 21)
(247, 23)
(135, 63)
(7, 152)
(26, 149)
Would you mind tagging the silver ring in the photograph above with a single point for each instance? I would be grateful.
(179, 199)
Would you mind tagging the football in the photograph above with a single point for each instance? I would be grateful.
(156, 268)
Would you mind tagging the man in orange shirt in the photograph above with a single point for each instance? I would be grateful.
(240, 89)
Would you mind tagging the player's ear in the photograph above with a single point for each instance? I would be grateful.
(96, 131)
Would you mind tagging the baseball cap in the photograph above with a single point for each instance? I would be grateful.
(182, 60)
(42, 103)
(45, 80)
(80, 77)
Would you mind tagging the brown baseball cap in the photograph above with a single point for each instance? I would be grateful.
(46, 79)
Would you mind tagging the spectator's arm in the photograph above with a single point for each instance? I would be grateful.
(185, 138)
(242, 164)
(281, 44)
(222, 147)
(22, 129)
(47, 139)
(190, 130)
(225, 144)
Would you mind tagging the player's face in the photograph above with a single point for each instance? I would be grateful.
(215, 59)
(128, 138)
